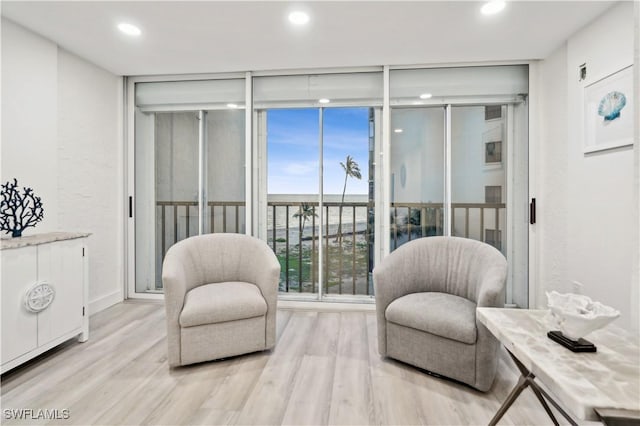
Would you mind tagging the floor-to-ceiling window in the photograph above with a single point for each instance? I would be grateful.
(189, 167)
(318, 135)
(458, 153)
(323, 174)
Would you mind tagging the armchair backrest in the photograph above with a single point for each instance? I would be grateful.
(213, 258)
(450, 265)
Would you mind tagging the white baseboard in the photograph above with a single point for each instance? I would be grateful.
(105, 301)
(316, 306)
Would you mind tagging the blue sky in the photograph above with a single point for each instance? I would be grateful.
(293, 143)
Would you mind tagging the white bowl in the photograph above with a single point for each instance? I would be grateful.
(576, 315)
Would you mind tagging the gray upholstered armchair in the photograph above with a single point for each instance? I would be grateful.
(220, 295)
(426, 295)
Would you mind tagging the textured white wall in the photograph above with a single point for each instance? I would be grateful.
(29, 117)
(90, 174)
(586, 202)
(552, 177)
(61, 134)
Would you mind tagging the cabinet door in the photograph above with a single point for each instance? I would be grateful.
(60, 264)
(19, 326)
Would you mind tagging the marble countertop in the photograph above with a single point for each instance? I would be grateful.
(34, 240)
(582, 382)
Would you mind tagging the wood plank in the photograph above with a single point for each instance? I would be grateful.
(351, 399)
(86, 368)
(270, 397)
(394, 398)
(325, 369)
(310, 399)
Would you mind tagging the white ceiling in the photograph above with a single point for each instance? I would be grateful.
(215, 36)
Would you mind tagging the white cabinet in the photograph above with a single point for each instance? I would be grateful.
(54, 267)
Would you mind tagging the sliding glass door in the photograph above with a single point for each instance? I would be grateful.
(292, 187)
(458, 158)
(317, 138)
(343, 168)
(166, 208)
(417, 173)
(189, 169)
(320, 191)
(478, 174)
(348, 189)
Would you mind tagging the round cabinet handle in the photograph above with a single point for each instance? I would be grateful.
(39, 296)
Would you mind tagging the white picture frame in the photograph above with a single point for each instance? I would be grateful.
(608, 124)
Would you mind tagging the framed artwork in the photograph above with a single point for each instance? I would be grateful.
(608, 112)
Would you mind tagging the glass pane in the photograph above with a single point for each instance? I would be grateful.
(292, 196)
(478, 174)
(417, 173)
(166, 189)
(225, 188)
(348, 143)
(167, 167)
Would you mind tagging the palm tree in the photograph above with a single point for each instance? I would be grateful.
(351, 169)
(305, 212)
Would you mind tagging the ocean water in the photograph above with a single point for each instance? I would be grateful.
(282, 213)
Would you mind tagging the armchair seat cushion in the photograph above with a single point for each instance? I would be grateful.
(445, 315)
(222, 302)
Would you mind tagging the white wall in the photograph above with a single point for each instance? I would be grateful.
(552, 175)
(90, 175)
(586, 201)
(61, 134)
(29, 117)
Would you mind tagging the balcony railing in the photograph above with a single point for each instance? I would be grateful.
(293, 232)
(469, 220)
(347, 255)
(180, 218)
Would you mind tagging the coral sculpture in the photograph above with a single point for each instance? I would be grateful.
(19, 210)
(577, 315)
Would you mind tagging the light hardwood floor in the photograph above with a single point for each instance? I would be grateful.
(325, 369)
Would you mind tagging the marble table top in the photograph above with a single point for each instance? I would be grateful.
(34, 240)
(581, 382)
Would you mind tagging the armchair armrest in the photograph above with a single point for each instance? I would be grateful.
(174, 281)
(491, 289)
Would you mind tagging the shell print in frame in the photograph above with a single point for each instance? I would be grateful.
(611, 105)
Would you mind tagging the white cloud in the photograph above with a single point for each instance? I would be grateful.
(300, 168)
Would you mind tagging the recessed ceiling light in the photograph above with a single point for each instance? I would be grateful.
(324, 101)
(397, 130)
(298, 18)
(426, 96)
(492, 7)
(129, 29)
(232, 105)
